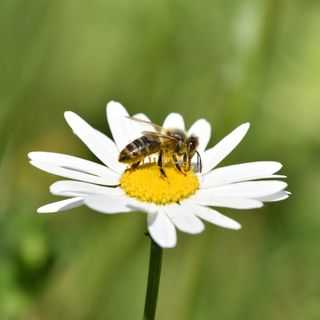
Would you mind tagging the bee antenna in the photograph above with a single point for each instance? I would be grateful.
(199, 162)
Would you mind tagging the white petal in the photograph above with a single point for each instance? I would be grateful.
(61, 205)
(202, 129)
(248, 189)
(240, 172)
(136, 128)
(71, 174)
(161, 229)
(142, 116)
(174, 120)
(100, 145)
(275, 176)
(212, 216)
(123, 129)
(281, 195)
(226, 202)
(216, 154)
(73, 163)
(114, 204)
(183, 219)
(77, 188)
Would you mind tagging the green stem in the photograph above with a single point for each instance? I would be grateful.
(153, 281)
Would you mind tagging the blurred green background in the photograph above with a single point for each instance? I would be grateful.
(226, 61)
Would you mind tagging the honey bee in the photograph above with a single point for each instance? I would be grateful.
(171, 145)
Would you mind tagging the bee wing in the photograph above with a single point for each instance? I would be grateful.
(152, 134)
(148, 123)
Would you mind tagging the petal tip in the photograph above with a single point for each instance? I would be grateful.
(260, 204)
(31, 155)
(42, 210)
(174, 120)
(247, 125)
(243, 128)
(277, 166)
(69, 116)
(114, 104)
(237, 227)
(167, 245)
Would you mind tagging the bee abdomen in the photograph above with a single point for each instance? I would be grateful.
(139, 149)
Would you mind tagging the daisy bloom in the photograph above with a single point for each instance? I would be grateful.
(177, 201)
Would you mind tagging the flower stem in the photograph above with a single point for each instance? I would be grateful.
(153, 281)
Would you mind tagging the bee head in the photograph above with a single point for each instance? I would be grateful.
(192, 145)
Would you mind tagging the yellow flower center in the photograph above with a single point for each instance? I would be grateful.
(147, 184)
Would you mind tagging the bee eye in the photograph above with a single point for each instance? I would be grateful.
(191, 144)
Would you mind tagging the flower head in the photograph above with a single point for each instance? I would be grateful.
(177, 200)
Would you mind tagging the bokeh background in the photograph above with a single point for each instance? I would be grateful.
(226, 61)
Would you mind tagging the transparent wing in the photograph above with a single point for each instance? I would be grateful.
(146, 123)
(157, 135)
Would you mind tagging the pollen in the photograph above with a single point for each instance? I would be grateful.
(146, 183)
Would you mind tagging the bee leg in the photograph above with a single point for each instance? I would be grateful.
(186, 162)
(179, 168)
(135, 165)
(160, 164)
(175, 160)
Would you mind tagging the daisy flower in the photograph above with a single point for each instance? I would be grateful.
(178, 201)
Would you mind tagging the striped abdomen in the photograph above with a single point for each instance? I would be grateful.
(138, 149)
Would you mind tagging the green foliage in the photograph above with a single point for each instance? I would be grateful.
(226, 61)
